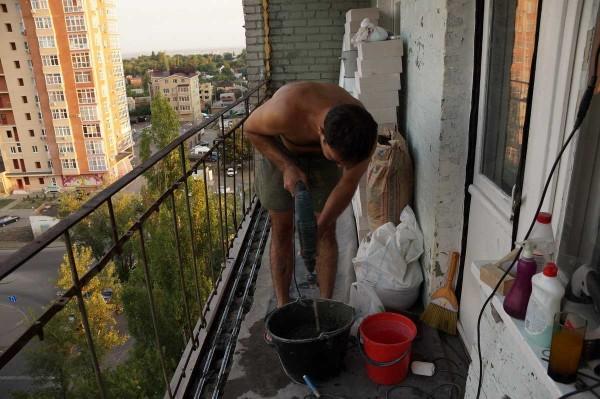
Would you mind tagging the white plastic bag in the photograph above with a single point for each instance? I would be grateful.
(388, 260)
(368, 32)
(365, 302)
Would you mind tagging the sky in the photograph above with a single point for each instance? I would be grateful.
(146, 25)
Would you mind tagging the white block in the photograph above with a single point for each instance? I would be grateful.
(383, 115)
(358, 14)
(377, 66)
(384, 48)
(379, 99)
(382, 82)
(346, 45)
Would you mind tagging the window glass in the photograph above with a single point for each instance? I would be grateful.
(512, 43)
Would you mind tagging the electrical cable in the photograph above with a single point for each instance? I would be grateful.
(578, 391)
(581, 113)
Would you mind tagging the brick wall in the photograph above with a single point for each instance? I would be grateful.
(306, 38)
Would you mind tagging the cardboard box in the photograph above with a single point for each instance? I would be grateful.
(490, 275)
(372, 84)
(358, 14)
(382, 49)
(379, 99)
(377, 66)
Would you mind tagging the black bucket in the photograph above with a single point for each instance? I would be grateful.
(301, 349)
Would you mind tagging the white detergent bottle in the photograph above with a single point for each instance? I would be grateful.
(544, 303)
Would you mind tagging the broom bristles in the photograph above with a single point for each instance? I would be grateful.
(439, 317)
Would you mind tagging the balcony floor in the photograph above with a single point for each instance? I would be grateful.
(256, 372)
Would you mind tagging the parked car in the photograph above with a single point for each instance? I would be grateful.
(231, 172)
(107, 294)
(4, 220)
(52, 189)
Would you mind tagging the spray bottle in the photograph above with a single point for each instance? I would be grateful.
(515, 302)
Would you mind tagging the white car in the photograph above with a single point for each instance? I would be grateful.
(52, 189)
(231, 172)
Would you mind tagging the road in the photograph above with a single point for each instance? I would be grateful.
(33, 285)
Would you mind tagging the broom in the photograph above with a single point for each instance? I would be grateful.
(441, 313)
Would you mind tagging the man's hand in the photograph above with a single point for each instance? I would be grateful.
(292, 175)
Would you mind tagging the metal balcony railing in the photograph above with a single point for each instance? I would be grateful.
(201, 278)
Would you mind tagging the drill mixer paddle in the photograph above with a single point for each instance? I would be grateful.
(306, 226)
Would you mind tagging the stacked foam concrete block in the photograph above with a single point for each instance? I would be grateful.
(353, 19)
(377, 79)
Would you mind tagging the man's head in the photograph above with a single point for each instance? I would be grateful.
(350, 131)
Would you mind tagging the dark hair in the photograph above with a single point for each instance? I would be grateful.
(350, 130)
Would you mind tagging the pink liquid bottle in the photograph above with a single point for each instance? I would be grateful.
(515, 302)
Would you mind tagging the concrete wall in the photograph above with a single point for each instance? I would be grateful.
(306, 38)
(436, 103)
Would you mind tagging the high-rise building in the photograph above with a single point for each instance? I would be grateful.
(206, 92)
(63, 107)
(181, 90)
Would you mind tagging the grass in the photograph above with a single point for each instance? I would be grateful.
(33, 201)
(5, 201)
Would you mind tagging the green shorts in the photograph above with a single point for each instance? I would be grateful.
(322, 174)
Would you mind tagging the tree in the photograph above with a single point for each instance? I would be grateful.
(61, 363)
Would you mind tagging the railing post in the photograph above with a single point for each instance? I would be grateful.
(208, 224)
(233, 161)
(192, 238)
(223, 248)
(186, 307)
(225, 210)
(153, 310)
(84, 316)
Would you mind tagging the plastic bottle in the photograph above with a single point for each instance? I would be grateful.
(515, 302)
(543, 305)
(543, 238)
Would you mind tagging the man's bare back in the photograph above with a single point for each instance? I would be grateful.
(296, 113)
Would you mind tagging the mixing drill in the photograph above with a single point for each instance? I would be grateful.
(306, 226)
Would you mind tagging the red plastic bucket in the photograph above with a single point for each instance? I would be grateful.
(387, 340)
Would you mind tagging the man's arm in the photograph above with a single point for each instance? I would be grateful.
(261, 128)
(341, 195)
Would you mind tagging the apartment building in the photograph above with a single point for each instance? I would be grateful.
(206, 92)
(63, 107)
(183, 92)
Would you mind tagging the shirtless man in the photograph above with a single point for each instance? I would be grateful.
(320, 134)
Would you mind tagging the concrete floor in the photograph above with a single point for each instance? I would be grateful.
(256, 372)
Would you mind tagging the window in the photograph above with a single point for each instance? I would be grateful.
(26, 180)
(62, 131)
(86, 96)
(16, 148)
(94, 147)
(28, 116)
(31, 133)
(34, 148)
(96, 163)
(50, 60)
(184, 98)
(47, 41)
(166, 91)
(83, 77)
(66, 148)
(56, 96)
(88, 113)
(8, 27)
(24, 98)
(512, 45)
(13, 45)
(9, 134)
(17, 65)
(68, 163)
(39, 4)
(50, 165)
(184, 107)
(40, 116)
(78, 41)
(46, 147)
(21, 82)
(80, 60)
(53, 79)
(15, 164)
(3, 6)
(43, 22)
(91, 131)
(75, 23)
(73, 5)
(59, 113)
(183, 89)
(40, 179)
